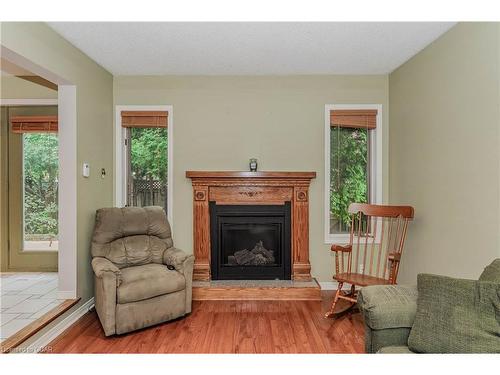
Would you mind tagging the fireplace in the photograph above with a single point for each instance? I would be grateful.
(227, 188)
(250, 242)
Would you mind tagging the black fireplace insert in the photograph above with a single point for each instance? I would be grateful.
(250, 242)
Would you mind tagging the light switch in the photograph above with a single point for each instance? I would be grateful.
(86, 170)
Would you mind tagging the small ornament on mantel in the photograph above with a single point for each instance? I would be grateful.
(253, 165)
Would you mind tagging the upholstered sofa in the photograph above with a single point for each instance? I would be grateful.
(141, 279)
(440, 315)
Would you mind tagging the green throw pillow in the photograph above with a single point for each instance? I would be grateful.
(456, 316)
(491, 272)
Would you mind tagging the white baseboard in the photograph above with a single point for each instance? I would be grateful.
(330, 285)
(17, 102)
(42, 342)
(66, 294)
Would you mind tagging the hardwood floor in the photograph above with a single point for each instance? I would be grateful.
(228, 327)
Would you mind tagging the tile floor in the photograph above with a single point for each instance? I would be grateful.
(25, 297)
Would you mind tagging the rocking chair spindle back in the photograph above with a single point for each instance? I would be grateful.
(373, 255)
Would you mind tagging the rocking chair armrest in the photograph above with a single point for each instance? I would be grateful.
(394, 257)
(342, 248)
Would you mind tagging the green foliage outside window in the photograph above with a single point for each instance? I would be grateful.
(149, 153)
(41, 165)
(348, 174)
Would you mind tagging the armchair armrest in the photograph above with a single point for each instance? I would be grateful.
(101, 265)
(177, 258)
(342, 248)
(388, 306)
(183, 263)
(107, 280)
(388, 312)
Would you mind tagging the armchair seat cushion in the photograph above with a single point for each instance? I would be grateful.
(148, 281)
(388, 306)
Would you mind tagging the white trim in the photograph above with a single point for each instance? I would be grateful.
(34, 68)
(40, 246)
(376, 166)
(67, 257)
(23, 102)
(41, 342)
(331, 285)
(120, 165)
(65, 294)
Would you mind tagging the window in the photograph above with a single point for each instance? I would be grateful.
(147, 167)
(351, 166)
(40, 164)
(146, 158)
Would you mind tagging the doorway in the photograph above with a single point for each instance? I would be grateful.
(33, 175)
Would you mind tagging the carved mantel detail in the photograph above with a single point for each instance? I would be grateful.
(251, 188)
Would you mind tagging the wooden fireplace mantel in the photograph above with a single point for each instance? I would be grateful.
(228, 187)
(250, 175)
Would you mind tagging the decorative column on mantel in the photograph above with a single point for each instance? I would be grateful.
(251, 188)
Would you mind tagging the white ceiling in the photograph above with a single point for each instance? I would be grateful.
(261, 48)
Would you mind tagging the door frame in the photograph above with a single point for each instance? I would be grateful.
(120, 196)
(17, 254)
(67, 118)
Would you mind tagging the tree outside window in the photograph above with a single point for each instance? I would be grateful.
(41, 168)
(349, 177)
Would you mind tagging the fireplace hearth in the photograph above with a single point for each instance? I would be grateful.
(250, 242)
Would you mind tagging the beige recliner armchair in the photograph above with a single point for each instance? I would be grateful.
(140, 278)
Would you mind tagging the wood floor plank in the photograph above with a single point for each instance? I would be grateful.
(228, 327)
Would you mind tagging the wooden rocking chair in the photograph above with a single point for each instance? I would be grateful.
(372, 257)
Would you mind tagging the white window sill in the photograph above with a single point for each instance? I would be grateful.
(41, 246)
(337, 239)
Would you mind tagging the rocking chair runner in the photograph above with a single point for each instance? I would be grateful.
(372, 257)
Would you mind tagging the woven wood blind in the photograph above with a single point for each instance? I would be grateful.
(144, 119)
(34, 124)
(354, 118)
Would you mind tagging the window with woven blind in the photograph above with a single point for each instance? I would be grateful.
(144, 119)
(34, 124)
(349, 164)
(39, 176)
(146, 148)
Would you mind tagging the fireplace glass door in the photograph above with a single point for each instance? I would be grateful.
(250, 242)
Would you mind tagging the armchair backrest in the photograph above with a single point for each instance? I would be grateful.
(131, 236)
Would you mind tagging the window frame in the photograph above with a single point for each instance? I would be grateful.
(375, 167)
(36, 246)
(121, 155)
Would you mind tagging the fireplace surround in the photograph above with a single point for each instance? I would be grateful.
(257, 189)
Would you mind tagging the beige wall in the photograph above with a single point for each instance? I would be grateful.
(94, 92)
(220, 122)
(445, 152)
(16, 88)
